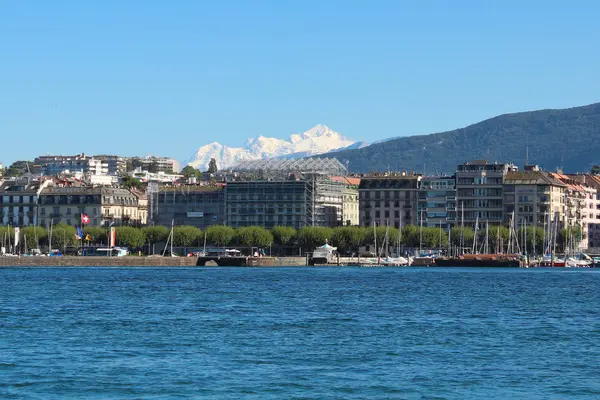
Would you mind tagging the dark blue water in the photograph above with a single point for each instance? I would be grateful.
(304, 333)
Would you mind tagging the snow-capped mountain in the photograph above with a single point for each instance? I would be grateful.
(317, 140)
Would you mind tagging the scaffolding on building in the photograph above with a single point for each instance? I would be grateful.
(302, 166)
(152, 193)
(323, 197)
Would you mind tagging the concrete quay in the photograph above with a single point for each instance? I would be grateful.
(132, 261)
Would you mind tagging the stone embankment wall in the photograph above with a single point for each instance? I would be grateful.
(73, 261)
(68, 261)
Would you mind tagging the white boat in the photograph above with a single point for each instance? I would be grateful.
(324, 255)
(395, 261)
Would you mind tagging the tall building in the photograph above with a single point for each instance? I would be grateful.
(350, 204)
(437, 201)
(533, 197)
(19, 202)
(479, 187)
(593, 231)
(103, 205)
(194, 205)
(389, 199)
(294, 193)
(581, 206)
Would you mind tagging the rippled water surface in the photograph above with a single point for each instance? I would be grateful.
(305, 333)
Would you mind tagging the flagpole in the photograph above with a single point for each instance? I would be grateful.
(81, 225)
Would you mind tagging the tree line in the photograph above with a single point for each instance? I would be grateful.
(288, 240)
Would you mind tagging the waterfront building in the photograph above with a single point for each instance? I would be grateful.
(389, 199)
(18, 201)
(103, 205)
(295, 193)
(589, 208)
(593, 210)
(437, 202)
(533, 197)
(350, 203)
(479, 188)
(195, 205)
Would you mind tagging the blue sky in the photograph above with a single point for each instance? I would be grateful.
(158, 77)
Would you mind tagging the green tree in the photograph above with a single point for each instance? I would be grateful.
(596, 170)
(411, 236)
(310, 237)
(212, 166)
(97, 234)
(465, 233)
(348, 239)
(62, 235)
(284, 235)
(130, 237)
(570, 235)
(190, 172)
(129, 182)
(30, 233)
(156, 234)
(186, 236)
(381, 232)
(153, 167)
(434, 238)
(219, 235)
(254, 236)
(18, 168)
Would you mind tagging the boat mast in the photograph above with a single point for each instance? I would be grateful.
(421, 234)
(399, 236)
(487, 237)
(440, 249)
(473, 250)
(172, 223)
(462, 227)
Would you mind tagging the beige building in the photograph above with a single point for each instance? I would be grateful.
(535, 198)
(593, 209)
(388, 199)
(582, 206)
(103, 205)
(350, 209)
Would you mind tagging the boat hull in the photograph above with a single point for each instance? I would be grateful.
(474, 261)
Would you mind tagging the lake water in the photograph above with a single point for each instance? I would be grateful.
(304, 333)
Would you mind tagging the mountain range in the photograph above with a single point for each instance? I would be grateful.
(567, 139)
(317, 140)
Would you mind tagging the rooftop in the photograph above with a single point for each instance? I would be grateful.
(532, 178)
(325, 166)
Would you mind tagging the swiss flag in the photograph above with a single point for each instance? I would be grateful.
(85, 219)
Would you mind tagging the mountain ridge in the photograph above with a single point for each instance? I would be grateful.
(553, 138)
(317, 140)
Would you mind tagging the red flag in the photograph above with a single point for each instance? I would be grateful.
(85, 219)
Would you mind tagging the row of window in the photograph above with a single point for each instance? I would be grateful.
(17, 199)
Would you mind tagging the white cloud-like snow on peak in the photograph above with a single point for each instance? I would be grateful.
(317, 140)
